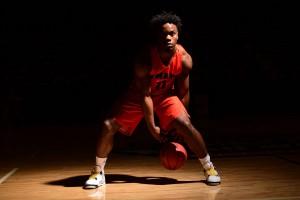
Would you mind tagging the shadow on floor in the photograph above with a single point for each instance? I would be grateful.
(78, 181)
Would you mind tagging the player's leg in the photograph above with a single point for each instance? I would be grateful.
(173, 115)
(125, 121)
(190, 135)
(195, 141)
(105, 139)
(104, 146)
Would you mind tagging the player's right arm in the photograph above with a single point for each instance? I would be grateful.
(142, 80)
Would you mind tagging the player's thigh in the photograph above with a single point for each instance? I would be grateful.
(169, 110)
(128, 115)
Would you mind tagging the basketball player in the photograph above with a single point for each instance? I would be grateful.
(160, 70)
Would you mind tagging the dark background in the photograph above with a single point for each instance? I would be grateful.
(62, 66)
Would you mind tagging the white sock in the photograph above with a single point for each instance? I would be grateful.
(100, 164)
(205, 162)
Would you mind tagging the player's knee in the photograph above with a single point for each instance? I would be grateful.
(183, 123)
(109, 126)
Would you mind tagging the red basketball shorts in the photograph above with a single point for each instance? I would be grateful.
(130, 113)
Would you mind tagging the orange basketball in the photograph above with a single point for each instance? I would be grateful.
(172, 155)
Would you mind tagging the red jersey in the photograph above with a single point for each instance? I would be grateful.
(167, 106)
(163, 76)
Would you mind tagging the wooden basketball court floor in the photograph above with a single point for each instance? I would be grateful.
(140, 176)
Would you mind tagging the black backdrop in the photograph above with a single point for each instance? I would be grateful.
(64, 65)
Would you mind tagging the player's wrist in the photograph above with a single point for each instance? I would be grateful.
(151, 125)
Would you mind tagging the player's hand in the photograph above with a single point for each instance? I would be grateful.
(155, 131)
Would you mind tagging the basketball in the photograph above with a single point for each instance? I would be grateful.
(172, 155)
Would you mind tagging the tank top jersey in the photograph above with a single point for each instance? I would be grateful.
(163, 76)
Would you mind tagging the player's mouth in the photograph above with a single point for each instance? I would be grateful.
(169, 44)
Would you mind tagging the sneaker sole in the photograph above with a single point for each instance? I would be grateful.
(92, 186)
(213, 183)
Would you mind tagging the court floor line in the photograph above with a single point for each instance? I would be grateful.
(6, 176)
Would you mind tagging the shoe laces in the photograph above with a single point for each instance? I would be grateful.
(212, 172)
(94, 175)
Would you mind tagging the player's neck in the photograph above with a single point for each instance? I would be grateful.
(166, 55)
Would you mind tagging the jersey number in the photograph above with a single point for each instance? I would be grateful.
(161, 85)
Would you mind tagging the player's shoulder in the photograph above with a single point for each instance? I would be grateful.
(182, 50)
(186, 57)
(142, 61)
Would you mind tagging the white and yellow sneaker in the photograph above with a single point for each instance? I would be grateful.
(212, 176)
(95, 180)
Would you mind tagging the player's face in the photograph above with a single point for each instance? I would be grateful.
(168, 36)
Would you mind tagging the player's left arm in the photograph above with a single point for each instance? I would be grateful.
(182, 84)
